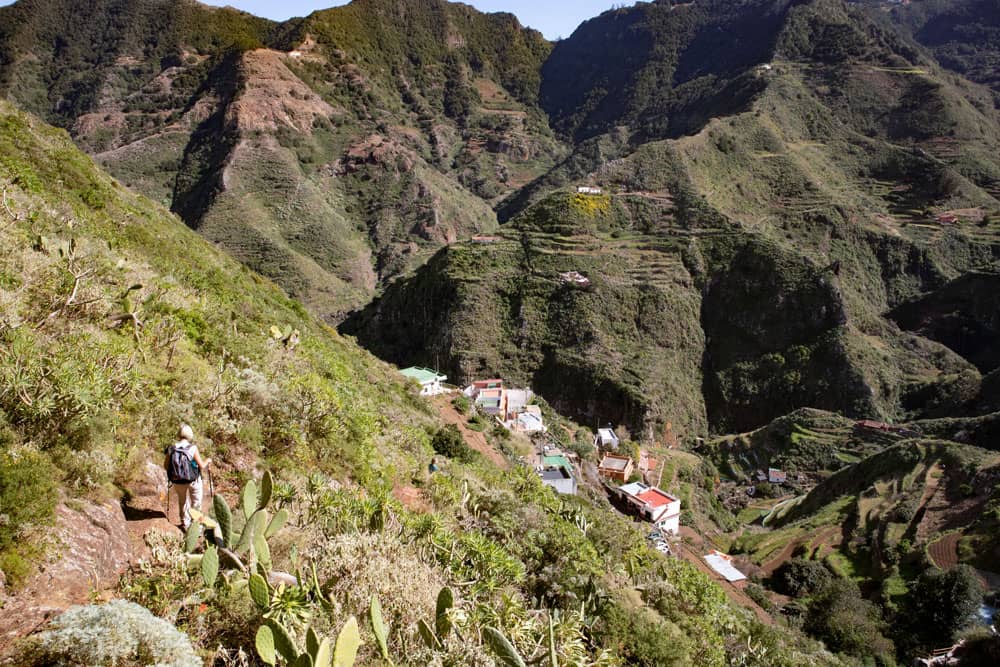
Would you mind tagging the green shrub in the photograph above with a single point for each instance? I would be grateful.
(448, 441)
(462, 404)
(848, 623)
(757, 593)
(116, 633)
(478, 423)
(642, 638)
(766, 490)
(28, 483)
(941, 604)
(799, 577)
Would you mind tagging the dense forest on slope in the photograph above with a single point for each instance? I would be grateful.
(661, 68)
(963, 35)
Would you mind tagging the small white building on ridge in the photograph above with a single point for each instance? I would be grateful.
(606, 439)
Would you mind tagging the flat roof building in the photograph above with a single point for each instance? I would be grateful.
(616, 467)
(560, 479)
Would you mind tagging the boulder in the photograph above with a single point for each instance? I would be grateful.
(90, 550)
(147, 495)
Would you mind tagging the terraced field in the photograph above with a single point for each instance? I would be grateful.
(944, 551)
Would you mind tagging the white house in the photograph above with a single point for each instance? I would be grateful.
(606, 439)
(560, 479)
(653, 505)
(429, 380)
(529, 421)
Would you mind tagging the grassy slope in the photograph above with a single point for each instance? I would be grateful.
(91, 402)
(873, 520)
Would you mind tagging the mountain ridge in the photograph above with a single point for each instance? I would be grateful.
(176, 85)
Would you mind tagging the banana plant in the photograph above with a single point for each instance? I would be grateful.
(274, 642)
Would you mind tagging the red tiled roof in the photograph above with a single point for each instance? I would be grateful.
(656, 498)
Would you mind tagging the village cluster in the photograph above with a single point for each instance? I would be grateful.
(631, 485)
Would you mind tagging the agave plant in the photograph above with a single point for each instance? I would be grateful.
(289, 605)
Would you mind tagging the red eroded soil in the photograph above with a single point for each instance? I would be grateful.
(774, 563)
(411, 498)
(475, 439)
(824, 542)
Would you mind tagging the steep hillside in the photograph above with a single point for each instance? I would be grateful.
(964, 35)
(329, 153)
(876, 528)
(118, 322)
(744, 271)
(962, 315)
(891, 515)
(661, 68)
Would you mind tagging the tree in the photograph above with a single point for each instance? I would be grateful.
(448, 441)
(941, 604)
(799, 577)
(848, 623)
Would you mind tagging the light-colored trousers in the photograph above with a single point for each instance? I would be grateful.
(188, 496)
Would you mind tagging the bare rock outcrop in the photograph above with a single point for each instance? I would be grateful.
(91, 549)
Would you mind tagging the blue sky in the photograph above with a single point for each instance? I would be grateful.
(555, 18)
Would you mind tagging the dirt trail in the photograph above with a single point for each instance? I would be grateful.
(821, 539)
(411, 498)
(734, 591)
(774, 563)
(475, 439)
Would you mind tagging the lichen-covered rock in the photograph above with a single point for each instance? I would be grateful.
(119, 632)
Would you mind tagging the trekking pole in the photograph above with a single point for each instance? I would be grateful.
(211, 482)
(166, 502)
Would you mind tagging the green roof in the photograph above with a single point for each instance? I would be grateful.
(422, 375)
(557, 460)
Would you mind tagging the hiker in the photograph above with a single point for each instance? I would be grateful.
(433, 467)
(184, 467)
